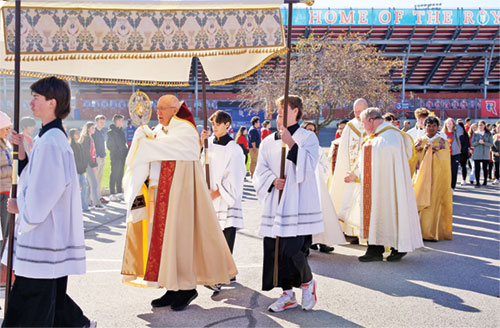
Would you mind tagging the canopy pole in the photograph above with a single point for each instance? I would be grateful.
(13, 191)
(285, 121)
(205, 123)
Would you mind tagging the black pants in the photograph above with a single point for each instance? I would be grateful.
(454, 170)
(42, 303)
(497, 170)
(230, 234)
(490, 170)
(293, 268)
(485, 163)
(463, 165)
(116, 176)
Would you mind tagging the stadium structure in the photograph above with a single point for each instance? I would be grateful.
(451, 63)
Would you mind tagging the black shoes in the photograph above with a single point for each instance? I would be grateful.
(325, 248)
(395, 256)
(322, 248)
(370, 258)
(165, 300)
(373, 253)
(179, 300)
(183, 298)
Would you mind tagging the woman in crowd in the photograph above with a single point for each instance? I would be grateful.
(81, 166)
(450, 129)
(89, 155)
(472, 176)
(482, 141)
(5, 171)
(242, 140)
(496, 153)
(464, 153)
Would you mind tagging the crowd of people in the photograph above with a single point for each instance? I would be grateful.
(381, 186)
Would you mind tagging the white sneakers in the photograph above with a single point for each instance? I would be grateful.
(287, 301)
(309, 298)
(284, 302)
(495, 182)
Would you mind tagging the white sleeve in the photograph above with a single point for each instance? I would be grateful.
(231, 185)
(307, 158)
(263, 176)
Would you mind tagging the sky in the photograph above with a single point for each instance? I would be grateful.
(404, 3)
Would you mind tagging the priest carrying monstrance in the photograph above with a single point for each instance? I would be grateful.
(173, 237)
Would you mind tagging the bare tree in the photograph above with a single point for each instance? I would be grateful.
(326, 73)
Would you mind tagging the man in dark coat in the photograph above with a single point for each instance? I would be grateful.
(117, 145)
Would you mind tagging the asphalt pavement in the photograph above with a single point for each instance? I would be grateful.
(446, 284)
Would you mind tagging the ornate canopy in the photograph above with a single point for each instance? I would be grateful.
(142, 42)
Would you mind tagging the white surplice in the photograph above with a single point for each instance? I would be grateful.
(346, 196)
(299, 211)
(393, 216)
(49, 241)
(227, 174)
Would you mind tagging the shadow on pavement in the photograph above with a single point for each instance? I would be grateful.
(462, 263)
(251, 312)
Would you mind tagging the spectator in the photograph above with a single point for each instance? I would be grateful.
(464, 152)
(89, 157)
(130, 132)
(81, 166)
(265, 129)
(254, 143)
(5, 172)
(496, 153)
(472, 165)
(100, 150)
(453, 134)
(27, 125)
(482, 142)
(241, 140)
(468, 123)
(117, 145)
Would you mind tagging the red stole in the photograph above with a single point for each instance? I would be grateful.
(160, 220)
(367, 188)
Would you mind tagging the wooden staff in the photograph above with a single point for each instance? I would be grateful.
(13, 191)
(285, 120)
(205, 123)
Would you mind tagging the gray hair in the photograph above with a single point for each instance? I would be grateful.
(361, 101)
(372, 113)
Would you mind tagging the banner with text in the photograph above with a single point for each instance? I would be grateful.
(403, 17)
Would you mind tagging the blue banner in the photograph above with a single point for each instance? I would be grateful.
(402, 17)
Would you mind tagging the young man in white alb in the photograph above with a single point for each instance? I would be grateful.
(297, 214)
(227, 174)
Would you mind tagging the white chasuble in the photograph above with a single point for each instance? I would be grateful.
(388, 207)
(299, 211)
(346, 196)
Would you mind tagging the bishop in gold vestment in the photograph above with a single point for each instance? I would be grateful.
(431, 182)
